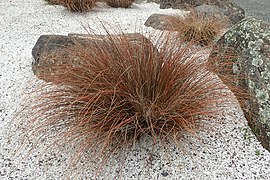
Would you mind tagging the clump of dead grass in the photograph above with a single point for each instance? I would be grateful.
(53, 2)
(120, 90)
(119, 3)
(75, 5)
(198, 27)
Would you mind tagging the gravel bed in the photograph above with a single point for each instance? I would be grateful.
(228, 151)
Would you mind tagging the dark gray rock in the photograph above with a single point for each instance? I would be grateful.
(180, 4)
(225, 8)
(230, 9)
(52, 50)
(255, 8)
(221, 13)
(159, 21)
(154, 1)
(50, 43)
(250, 40)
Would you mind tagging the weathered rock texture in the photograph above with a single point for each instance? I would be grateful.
(229, 15)
(52, 50)
(250, 40)
(160, 21)
(154, 1)
(222, 8)
(180, 4)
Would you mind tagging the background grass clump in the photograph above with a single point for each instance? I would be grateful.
(86, 5)
(54, 2)
(198, 27)
(75, 5)
(119, 3)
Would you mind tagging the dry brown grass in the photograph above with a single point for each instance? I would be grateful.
(76, 5)
(118, 91)
(86, 5)
(54, 2)
(198, 27)
(119, 3)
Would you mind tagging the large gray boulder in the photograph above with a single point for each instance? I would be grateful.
(250, 41)
(52, 50)
(222, 8)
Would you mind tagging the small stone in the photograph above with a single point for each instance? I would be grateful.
(164, 173)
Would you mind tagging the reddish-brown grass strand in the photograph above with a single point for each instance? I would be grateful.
(116, 91)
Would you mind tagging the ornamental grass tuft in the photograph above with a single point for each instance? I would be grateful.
(198, 27)
(75, 5)
(119, 3)
(118, 90)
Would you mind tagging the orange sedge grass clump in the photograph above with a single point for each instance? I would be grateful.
(119, 3)
(54, 2)
(118, 91)
(198, 27)
(76, 5)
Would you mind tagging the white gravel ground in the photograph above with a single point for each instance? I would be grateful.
(230, 151)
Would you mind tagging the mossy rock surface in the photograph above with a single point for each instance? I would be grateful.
(250, 40)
